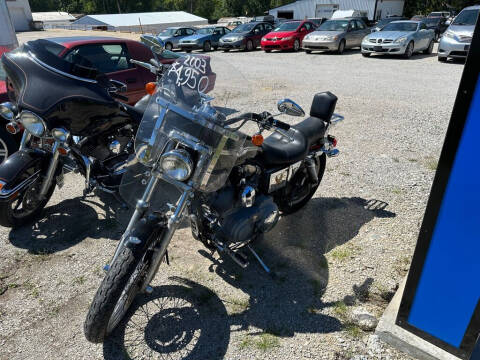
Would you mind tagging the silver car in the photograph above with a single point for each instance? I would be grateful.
(336, 35)
(171, 36)
(456, 40)
(400, 38)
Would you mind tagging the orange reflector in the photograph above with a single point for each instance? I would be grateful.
(257, 139)
(1, 186)
(11, 129)
(62, 151)
(150, 88)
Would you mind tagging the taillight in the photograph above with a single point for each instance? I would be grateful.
(332, 140)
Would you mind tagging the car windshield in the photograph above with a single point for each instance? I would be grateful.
(334, 25)
(384, 22)
(466, 17)
(400, 26)
(205, 31)
(168, 32)
(243, 28)
(288, 26)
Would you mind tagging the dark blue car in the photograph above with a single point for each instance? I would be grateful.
(205, 39)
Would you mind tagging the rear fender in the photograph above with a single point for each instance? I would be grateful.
(20, 170)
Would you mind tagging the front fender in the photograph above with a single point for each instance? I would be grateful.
(20, 170)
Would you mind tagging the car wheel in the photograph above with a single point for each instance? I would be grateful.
(215, 48)
(226, 50)
(308, 51)
(8, 145)
(437, 37)
(207, 46)
(341, 47)
(442, 59)
(366, 54)
(188, 50)
(409, 50)
(249, 45)
(296, 45)
(429, 50)
(168, 46)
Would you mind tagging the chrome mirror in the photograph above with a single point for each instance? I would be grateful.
(7, 111)
(154, 43)
(118, 86)
(287, 106)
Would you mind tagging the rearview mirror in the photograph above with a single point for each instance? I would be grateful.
(118, 86)
(154, 43)
(288, 107)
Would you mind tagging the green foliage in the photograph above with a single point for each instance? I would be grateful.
(424, 7)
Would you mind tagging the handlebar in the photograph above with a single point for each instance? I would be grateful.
(153, 69)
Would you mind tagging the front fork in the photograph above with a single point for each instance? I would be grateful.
(173, 221)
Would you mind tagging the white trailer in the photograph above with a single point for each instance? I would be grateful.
(8, 38)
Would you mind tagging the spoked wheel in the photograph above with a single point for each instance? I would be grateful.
(296, 45)
(25, 206)
(299, 191)
(429, 50)
(341, 47)
(408, 51)
(169, 46)
(249, 45)
(120, 286)
(207, 46)
(7, 145)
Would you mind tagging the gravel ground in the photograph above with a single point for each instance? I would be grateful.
(344, 253)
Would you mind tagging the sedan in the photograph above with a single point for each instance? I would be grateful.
(246, 36)
(205, 39)
(336, 35)
(400, 38)
(437, 24)
(3, 86)
(171, 36)
(288, 36)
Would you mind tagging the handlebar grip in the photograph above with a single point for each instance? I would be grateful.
(281, 125)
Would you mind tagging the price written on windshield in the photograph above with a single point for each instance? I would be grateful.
(192, 72)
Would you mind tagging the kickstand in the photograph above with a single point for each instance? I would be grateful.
(264, 266)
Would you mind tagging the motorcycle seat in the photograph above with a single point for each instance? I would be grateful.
(312, 128)
(277, 150)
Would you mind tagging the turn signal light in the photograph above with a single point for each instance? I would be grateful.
(257, 139)
(63, 151)
(150, 88)
(12, 128)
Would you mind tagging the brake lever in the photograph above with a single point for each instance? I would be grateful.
(150, 67)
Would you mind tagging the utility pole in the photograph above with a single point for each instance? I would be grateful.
(191, 6)
(118, 6)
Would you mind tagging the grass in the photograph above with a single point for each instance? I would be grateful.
(340, 309)
(264, 342)
(240, 305)
(431, 163)
(412, 160)
(397, 191)
(42, 255)
(79, 280)
(395, 159)
(353, 330)
(341, 253)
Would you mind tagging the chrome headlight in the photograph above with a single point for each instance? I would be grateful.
(401, 40)
(6, 111)
(177, 164)
(33, 123)
(60, 135)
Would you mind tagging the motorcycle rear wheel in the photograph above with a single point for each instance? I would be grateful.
(119, 287)
(290, 200)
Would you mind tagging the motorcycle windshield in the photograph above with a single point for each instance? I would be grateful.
(44, 64)
(189, 110)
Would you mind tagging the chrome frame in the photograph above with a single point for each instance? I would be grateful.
(5, 194)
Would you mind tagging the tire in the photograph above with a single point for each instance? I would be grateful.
(168, 46)
(268, 51)
(207, 46)
(215, 48)
(409, 50)
(188, 51)
(429, 50)
(308, 51)
(119, 278)
(286, 207)
(341, 47)
(8, 145)
(249, 46)
(366, 55)
(13, 218)
(226, 50)
(442, 59)
(296, 45)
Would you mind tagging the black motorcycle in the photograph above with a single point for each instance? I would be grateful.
(72, 119)
(191, 159)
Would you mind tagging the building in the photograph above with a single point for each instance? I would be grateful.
(54, 18)
(373, 9)
(8, 38)
(152, 22)
(20, 14)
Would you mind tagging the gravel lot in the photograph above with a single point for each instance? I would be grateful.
(344, 252)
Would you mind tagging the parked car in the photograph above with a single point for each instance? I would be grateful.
(110, 56)
(400, 38)
(418, 18)
(233, 24)
(444, 14)
(3, 85)
(455, 42)
(171, 36)
(246, 36)
(381, 23)
(206, 39)
(288, 36)
(336, 35)
(436, 24)
(317, 21)
(264, 18)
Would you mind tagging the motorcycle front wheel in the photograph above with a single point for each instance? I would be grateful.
(120, 286)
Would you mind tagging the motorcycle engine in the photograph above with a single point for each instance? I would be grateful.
(239, 223)
(107, 146)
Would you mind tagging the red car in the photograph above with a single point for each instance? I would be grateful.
(111, 56)
(287, 36)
